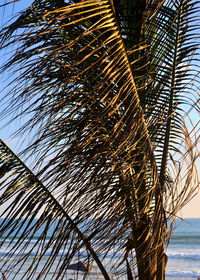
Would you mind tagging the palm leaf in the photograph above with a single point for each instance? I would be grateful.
(25, 218)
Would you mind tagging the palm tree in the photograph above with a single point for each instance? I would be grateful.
(106, 88)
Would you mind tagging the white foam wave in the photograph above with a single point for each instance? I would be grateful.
(184, 253)
(185, 256)
(34, 251)
(185, 274)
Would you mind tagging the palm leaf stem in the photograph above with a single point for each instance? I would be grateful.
(146, 133)
(160, 261)
(170, 110)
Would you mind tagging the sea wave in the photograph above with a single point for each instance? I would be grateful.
(185, 236)
(185, 240)
(185, 255)
(172, 252)
(184, 274)
(32, 251)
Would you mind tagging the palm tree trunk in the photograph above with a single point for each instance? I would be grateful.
(154, 267)
(146, 262)
(161, 264)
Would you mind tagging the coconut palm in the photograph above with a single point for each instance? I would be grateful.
(107, 90)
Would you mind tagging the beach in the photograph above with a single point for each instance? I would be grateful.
(183, 256)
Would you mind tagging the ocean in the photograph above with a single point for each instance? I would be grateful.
(183, 255)
(184, 251)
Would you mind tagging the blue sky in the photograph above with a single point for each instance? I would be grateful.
(6, 130)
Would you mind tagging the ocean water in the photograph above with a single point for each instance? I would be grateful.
(184, 251)
(183, 255)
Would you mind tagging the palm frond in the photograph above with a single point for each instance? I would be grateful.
(34, 212)
(104, 89)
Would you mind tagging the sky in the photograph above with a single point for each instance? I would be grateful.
(192, 209)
